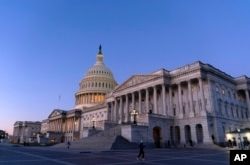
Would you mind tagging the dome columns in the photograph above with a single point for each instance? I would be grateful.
(90, 98)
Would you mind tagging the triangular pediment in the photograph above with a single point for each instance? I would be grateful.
(57, 112)
(136, 80)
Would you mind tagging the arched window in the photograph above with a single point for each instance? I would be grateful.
(103, 85)
(99, 84)
(96, 84)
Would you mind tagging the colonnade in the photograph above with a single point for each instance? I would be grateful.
(56, 125)
(68, 125)
(90, 98)
(151, 96)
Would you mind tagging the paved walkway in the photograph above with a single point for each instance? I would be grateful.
(10, 155)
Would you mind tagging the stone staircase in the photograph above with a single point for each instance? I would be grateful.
(102, 140)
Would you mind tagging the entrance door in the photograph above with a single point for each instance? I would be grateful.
(157, 136)
(187, 133)
(199, 133)
(177, 135)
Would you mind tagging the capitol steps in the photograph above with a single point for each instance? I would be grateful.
(102, 140)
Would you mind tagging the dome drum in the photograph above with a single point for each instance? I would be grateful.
(96, 84)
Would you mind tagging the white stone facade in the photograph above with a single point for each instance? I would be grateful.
(94, 117)
(26, 131)
(45, 126)
(196, 102)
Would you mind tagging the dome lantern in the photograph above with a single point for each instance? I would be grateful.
(99, 57)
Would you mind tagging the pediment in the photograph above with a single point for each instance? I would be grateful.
(136, 80)
(56, 112)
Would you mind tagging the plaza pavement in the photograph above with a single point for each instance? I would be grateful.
(19, 155)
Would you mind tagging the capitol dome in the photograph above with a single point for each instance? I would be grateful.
(96, 84)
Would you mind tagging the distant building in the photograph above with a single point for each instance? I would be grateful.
(3, 135)
(196, 103)
(64, 125)
(45, 126)
(26, 131)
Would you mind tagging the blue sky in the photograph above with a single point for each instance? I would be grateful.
(46, 46)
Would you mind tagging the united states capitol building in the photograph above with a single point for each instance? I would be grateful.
(196, 102)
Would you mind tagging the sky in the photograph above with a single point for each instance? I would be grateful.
(47, 46)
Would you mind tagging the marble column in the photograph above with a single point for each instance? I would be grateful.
(190, 97)
(87, 98)
(73, 126)
(133, 100)
(180, 114)
(163, 91)
(203, 110)
(126, 109)
(139, 101)
(147, 100)
(170, 109)
(155, 101)
(112, 112)
(120, 111)
(115, 111)
(211, 97)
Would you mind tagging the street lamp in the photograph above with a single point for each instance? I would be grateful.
(238, 130)
(93, 121)
(134, 113)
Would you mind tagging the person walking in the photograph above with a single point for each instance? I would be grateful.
(68, 144)
(141, 151)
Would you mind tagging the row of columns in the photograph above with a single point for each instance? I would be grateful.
(90, 98)
(120, 114)
(58, 126)
(55, 125)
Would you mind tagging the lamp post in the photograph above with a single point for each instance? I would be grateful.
(134, 113)
(93, 121)
(238, 130)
